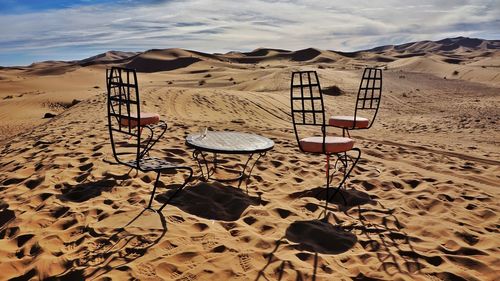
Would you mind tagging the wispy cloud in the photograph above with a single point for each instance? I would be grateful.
(223, 25)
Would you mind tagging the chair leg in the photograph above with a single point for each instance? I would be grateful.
(188, 179)
(327, 180)
(342, 158)
(345, 131)
(154, 190)
(346, 175)
(337, 190)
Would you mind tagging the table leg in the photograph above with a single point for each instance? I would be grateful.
(251, 169)
(207, 172)
(215, 162)
(196, 155)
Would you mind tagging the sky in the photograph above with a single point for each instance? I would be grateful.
(38, 30)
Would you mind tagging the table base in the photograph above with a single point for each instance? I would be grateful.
(209, 168)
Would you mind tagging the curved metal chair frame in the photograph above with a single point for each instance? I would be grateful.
(308, 111)
(124, 104)
(368, 98)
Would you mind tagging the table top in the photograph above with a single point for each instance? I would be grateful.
(229, 142)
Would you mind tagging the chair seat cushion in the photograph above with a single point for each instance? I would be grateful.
(332, 144)
(348, 122)
(147, 118)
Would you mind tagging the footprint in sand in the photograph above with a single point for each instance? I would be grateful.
(368, 186)
(33, 183)
(175, 274)
(97, 147)
(283, 213)
(175, 219)
(469, 238)
(276, 164)
(147, 270)
(59, 212)
(200, 226)
(167, 251)
(96, 259)
(245, 262)
(23, 239)
(207, 240)
(9, 232)
(412, 183)
(86, 167)
(249, 220)
(187, 277)
(12, 181)
(72, 247)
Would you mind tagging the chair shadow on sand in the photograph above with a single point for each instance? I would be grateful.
(353, 198)
(109, 252)
(86, 190)
(393, 247)
(119, 246)
(312, 238)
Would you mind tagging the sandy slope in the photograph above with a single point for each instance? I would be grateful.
(25, 96)
(422, 204)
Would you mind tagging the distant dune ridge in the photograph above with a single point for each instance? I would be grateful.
(111, 56)
(422, 203)
(462, 44)
(442, 58)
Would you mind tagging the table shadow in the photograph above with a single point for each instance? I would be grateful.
(212, 200)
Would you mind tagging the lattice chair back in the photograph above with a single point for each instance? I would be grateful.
(369, 95)
(123, 114)
(307, 105)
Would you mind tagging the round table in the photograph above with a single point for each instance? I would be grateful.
(227, 142)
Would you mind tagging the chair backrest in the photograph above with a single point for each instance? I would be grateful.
(369, 93)
(123, 110)
(306, 99)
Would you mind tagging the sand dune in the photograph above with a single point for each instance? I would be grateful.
(454, 58)
(450, 69)
(458, 46)
(107, 58)
(421, 205)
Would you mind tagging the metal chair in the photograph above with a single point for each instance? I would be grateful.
(308, 116)
(133, 133)
(367, 101)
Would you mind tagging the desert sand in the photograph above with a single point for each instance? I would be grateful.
(423, 202)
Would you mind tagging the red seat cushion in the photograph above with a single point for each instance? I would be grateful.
(348, 122)
(147, 118)
(332, 144)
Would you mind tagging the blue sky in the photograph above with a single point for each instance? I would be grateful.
(14, 6)
(66, 30)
